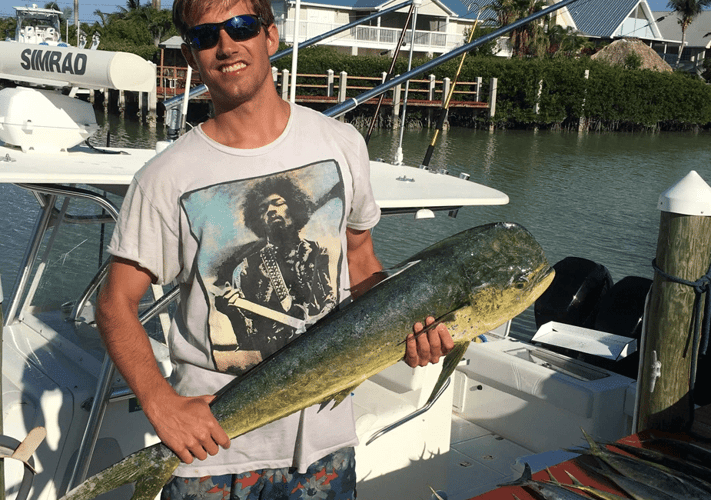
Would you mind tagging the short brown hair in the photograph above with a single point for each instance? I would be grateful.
(186, 10)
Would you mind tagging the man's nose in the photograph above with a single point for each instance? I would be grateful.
(225, 44)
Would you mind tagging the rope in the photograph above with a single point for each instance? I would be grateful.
(700, 286)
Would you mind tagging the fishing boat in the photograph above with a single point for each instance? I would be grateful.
(36, 25)
(498, 410)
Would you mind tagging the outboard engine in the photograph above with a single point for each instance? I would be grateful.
(622, 308)
(622, 312)
(574, 296)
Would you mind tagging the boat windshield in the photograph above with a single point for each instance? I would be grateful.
(38, 26)
(70, 256)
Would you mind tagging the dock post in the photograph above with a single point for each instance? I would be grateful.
(342, 88)
(285, 84)
(537, 106)
(430, 97)
(396, 103)
(329, 83)
(121, 102)
(153, 104)
(492, 102)
(478, 88)
(446, 85)
(583, 122)
(669, 344)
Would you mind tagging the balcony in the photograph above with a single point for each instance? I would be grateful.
(373, 37)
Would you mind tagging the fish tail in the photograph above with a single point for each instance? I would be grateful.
(526, 476)
(149, 468)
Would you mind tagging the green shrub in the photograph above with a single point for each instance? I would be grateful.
(612, 98)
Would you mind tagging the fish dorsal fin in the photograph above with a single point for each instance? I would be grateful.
(448, 366)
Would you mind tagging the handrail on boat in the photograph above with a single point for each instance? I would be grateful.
(52, 192)
(47, 195)
(103, 395)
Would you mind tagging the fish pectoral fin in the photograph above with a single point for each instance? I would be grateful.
(448, 366)
(337, 398)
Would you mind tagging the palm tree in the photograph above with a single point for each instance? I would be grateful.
(158, 21)
(686, 10)
(565, 42)
(528, 38)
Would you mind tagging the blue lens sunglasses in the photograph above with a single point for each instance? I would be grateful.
(239, 28)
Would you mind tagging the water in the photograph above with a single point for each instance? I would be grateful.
(591, 195)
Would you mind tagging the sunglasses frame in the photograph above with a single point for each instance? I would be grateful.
(217, 27)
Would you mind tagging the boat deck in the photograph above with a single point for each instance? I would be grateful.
(479, 460)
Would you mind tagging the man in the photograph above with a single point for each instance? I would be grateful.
(178, 222)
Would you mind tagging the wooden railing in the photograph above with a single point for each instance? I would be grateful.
(337, 87)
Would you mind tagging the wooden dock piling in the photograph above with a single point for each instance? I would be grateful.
(664, 397)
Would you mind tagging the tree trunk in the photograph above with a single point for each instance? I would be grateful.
(681, 47)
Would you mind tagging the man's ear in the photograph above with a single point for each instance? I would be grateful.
(272, 39)
(188, 55)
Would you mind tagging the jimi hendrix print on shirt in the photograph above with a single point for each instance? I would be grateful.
(268, 260)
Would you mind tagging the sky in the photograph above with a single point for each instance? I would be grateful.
(88, 7)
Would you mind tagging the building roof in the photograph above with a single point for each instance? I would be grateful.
(618, 51)
(698, 34)
(174, 42)
(601, 18)
(458, 8)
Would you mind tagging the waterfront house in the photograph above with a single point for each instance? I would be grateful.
(441, 24)
(697, 44)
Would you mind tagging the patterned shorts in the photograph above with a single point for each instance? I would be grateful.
(330, 478)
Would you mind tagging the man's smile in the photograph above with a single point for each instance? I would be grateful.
(233, 67)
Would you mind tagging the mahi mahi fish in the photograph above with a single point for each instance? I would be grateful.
(474, 281)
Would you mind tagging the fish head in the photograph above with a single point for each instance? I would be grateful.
(504, 271)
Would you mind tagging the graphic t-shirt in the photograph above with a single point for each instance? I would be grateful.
(256, 240)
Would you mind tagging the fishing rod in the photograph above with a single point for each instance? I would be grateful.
(353, 102)
(390, 71)
(445, 109)
(172, 105)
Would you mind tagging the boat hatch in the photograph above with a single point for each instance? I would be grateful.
(560, 364)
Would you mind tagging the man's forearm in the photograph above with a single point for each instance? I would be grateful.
(130, 349)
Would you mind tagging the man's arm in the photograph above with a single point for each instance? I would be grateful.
(185, 425)
(362, 266)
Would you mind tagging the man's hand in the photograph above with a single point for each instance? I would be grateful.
(186, 426)
(428, 347)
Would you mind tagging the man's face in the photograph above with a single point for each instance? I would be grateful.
(235, 72)
(275, 213)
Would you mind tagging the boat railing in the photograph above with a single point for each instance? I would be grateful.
(48, 195)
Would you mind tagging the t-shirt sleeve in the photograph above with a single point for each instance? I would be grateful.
(365, 212)
(143, 235)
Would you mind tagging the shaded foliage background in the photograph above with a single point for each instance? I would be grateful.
(613, 98)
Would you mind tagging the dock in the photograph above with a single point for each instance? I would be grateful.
(318, 91)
